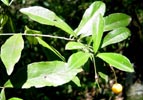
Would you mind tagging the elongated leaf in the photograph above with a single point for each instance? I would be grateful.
(74, 45)
(8, 84)
(85, 26)
(6, 2)
(15, 98)
(116, 36)
(76, 81)
(2, 95)
(104, 76)
(11, 51)
(53, 73)
(117, 60)
(47, 17)
(44, 44)
(98, 29)
(116, 20)
(32, 40)
(78, 59)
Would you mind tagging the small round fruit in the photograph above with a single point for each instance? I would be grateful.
(117, 88)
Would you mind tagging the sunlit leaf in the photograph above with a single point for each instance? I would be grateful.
(47, 17)
(116, 20)
(6, 2)
(53, 73)
(78, 59)
(98, 28)
(44, 44)
(8, 84)
(11, 51)
(86, 24)
(76, 81)
(74, 45)
(117, 60)
(104, 76)
(32, 40)
(2, 94)
(15, 98)
(116, 36)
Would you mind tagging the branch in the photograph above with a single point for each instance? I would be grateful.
(37, 35)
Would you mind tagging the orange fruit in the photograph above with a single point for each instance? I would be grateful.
(117, 88)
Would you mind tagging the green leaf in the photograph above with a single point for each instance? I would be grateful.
(3, 19)
(85, 26)
(52, 73)
(104, 76)
(74, 45)
(2, 95)
(8, 84)
(98, 28)
(116, 20)
(117, 60)
(116, 36)
(76, 81)
(78, 59)
(6, 2)
(32, 39)
(47, 17)
(44, 44)
(15, 98)
(11, 51)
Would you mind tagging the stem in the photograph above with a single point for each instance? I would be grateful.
(11, 2)
(37, 35)
(114, 73)
(96, 76)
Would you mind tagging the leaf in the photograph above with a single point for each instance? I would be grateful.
(44, 44)
(98, 28)
(3, 19)
(104, 76)
(116, 20)
(117, 60)
(2, 95)
(78, 59)
(116, 36)
(52, 73)
(11, 51)
(32, 39)
(47, 17)
(15, 98)
(6, 2)
(85, 26)
(74, 45)
(8, 84)
(76, 81)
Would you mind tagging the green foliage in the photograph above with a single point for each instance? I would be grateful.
(115, 36)
(47, 17)
(49, 74)
(6, 2)
(15, 98)
(11, 51)
(116, 20)
(2, 94)
(44, 44)
(98, 27)
(93, 26)
(86, 27)
(117, 60)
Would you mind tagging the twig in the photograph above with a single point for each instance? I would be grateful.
(36, 35)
